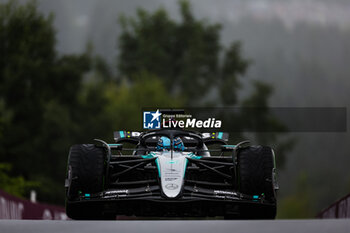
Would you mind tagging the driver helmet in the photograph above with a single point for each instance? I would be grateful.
(178, 144)
(163, 143)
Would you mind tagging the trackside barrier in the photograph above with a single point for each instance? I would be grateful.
(339, 209)
(16, 208)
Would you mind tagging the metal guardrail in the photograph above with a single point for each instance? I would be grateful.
(339, 209)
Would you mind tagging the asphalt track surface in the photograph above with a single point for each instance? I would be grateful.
(177, 226)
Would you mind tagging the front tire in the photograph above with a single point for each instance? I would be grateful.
(85, 175)
(256, 177)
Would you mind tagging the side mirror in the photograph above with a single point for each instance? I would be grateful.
(228, 147)
(110, 146)
(240, 145)
(116, 146)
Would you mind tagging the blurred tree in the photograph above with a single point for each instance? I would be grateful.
(38, 88)
(17, 186)
(27, 41)
(257, 116)
(128, 100)
(49, 102)
(185, 54)
(299, 204)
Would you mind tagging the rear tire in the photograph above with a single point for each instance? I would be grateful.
(256, 165)
(85, 175)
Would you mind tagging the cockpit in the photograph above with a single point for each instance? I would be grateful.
(171, 140)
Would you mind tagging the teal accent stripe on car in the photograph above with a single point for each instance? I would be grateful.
(149, 156)
(220, 135)
(192, 156)
(114, 144)
(185, 167)
(229, 146)
(121, 134)
(158, 166)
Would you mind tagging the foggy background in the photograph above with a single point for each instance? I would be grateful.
(301, 48)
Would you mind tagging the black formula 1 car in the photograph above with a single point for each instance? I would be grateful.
(170, 173)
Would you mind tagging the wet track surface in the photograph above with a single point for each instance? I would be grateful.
(177, 226)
